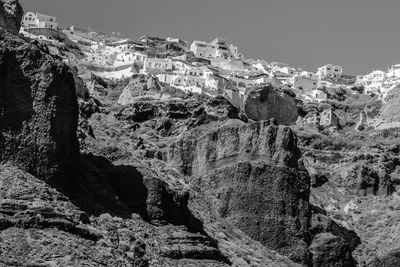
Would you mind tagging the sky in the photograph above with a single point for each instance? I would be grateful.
(359, 35)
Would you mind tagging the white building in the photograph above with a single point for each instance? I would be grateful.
(139, 56)
(319, 95)
(218, 48)
(126, 56)
(373, 81)
(180, 42)
(37, 20)
(260, 66)
(307, 74)
(394, 72)
(157, 65)
(329, 71)
(304, 83)
(203, 49)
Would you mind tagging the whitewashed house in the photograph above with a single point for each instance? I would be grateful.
(307, 74)
(373, 81)
(203, 49)
(217, 48)
(37, 20)
(329, 71)
(319, 95)
(393, 72)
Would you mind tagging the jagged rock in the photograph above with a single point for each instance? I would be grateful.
(197, 111)
(10, 15)
(139, 85)
(38, 110)
(234, 141)
(329, 250)
(266, 103)
(80, 87)
(362, 122)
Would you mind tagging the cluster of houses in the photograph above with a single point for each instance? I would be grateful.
(379, 82)
(202, 67)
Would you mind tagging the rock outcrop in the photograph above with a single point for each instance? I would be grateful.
(139, 85)
(321, 223)
(10, 15)
(267, 102)
(38, 109)
(329, 250)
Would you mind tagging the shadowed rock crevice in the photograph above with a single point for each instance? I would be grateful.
(124, 189)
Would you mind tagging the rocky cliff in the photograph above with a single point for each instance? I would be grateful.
(267, 102)
(10, 15)
(253, 175)
(38, 109)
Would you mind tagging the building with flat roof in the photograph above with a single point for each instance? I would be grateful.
(38, 20)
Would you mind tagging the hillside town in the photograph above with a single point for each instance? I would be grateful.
(161, 151)
(211, 68)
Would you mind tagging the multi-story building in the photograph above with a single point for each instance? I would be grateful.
(373, 82)
(37, 20)
(218, 48)
(329, 71)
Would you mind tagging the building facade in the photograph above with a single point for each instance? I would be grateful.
(329, 71)
(157, 65)
(37, 20)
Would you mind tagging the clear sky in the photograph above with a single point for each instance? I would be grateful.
(359, 35)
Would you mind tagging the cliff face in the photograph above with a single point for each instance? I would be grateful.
(254, 177)
(231, 142)
(266, 103)
(10, 15)
(38, 109)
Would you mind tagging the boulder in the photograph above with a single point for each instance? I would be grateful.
(10, 15)
(39, 111)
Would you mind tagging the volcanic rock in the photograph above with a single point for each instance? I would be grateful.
(10, 15)
(267, 102)
(38, 107)
(330, 250)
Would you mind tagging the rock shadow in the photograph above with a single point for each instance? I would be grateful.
(101, 187)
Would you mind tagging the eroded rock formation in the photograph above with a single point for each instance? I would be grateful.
(10, 15)
(38, 109)
(254, 176)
